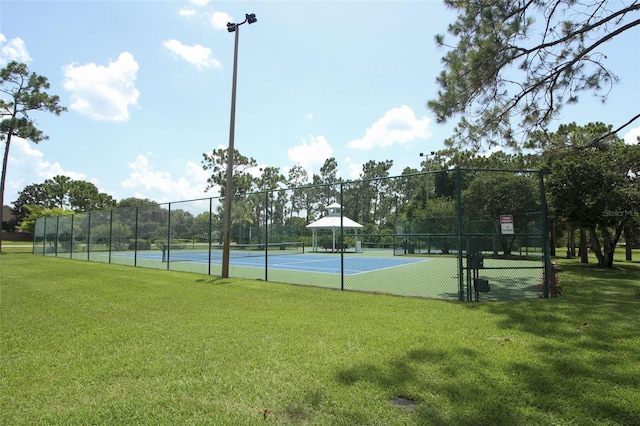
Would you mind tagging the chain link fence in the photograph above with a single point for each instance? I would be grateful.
(458, 234)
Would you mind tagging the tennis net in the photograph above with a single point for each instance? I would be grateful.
(204, 252)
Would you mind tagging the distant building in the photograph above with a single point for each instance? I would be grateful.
(7, 216)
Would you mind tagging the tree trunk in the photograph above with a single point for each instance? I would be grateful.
(584, 253)
(5, 160)
(609, 246)
(507, 245)
(605, 259)
(595, 246)
(628, 240)
(571, 242)
(552, 237)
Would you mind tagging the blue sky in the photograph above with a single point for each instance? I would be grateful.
(148, 88)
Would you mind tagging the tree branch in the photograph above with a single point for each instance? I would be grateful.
(583, 29)
(564, 67)
(612, 132)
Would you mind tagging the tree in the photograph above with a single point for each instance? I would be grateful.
(136, 202)
(268, 181)
(204, 224)
(22, 93)
(329, 176)
(525, 59)
(373, 188)
(28, 224)
(595, 187)
(31, 195)
(216, 161)
(297, 177)
(63, 192)
(58, 189)
(85, 196)
(182, 224)
(491, 195)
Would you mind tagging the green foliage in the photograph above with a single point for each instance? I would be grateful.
(490, 195)
(21, 93)
(596, 187)
(135, 202)
(216, 161)
(139, 245)
(24, 93)
(28, 224)
(524, 59)
(297, 177)
(65, 193)
(116, 235)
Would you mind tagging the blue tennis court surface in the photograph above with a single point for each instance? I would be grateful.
(354, 264)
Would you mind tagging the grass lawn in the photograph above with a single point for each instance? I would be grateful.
(17, 247)
(90, 343)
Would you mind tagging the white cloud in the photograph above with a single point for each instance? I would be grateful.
(355, 169)
(27, 166)
(197, 54)
(219, 20)
(198, 8)
(146, 182)
(13, 50)
(187, 11)
(308, 116)
(631, 137)
(103, 92)
(397, 126)
(311, 153)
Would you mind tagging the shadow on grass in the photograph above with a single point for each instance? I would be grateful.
(586, 344)
(214, 280)
(575, 361)
(445, 387)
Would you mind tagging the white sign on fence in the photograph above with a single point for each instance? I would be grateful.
(506, 224)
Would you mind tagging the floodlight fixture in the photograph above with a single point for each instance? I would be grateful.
(426, 162)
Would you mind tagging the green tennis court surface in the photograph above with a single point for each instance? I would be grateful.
(372, 271)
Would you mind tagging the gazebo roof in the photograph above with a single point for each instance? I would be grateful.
(334, 222)
(332, 219)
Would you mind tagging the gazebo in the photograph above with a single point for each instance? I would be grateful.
(332, 220)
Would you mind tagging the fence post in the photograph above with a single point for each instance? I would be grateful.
(89, 237)
(72, 238)
(545, 237)
(44, 237)
(168, 236)
(266, 235)
(57, 230)
(210, 232)
(135, 241)
(459, 234)
(110, 232)
(341, 236)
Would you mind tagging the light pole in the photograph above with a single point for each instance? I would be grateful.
(228, 193)
(426, 161)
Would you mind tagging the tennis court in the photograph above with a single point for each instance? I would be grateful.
(284, 260)
(392, 242)
(373, 271)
